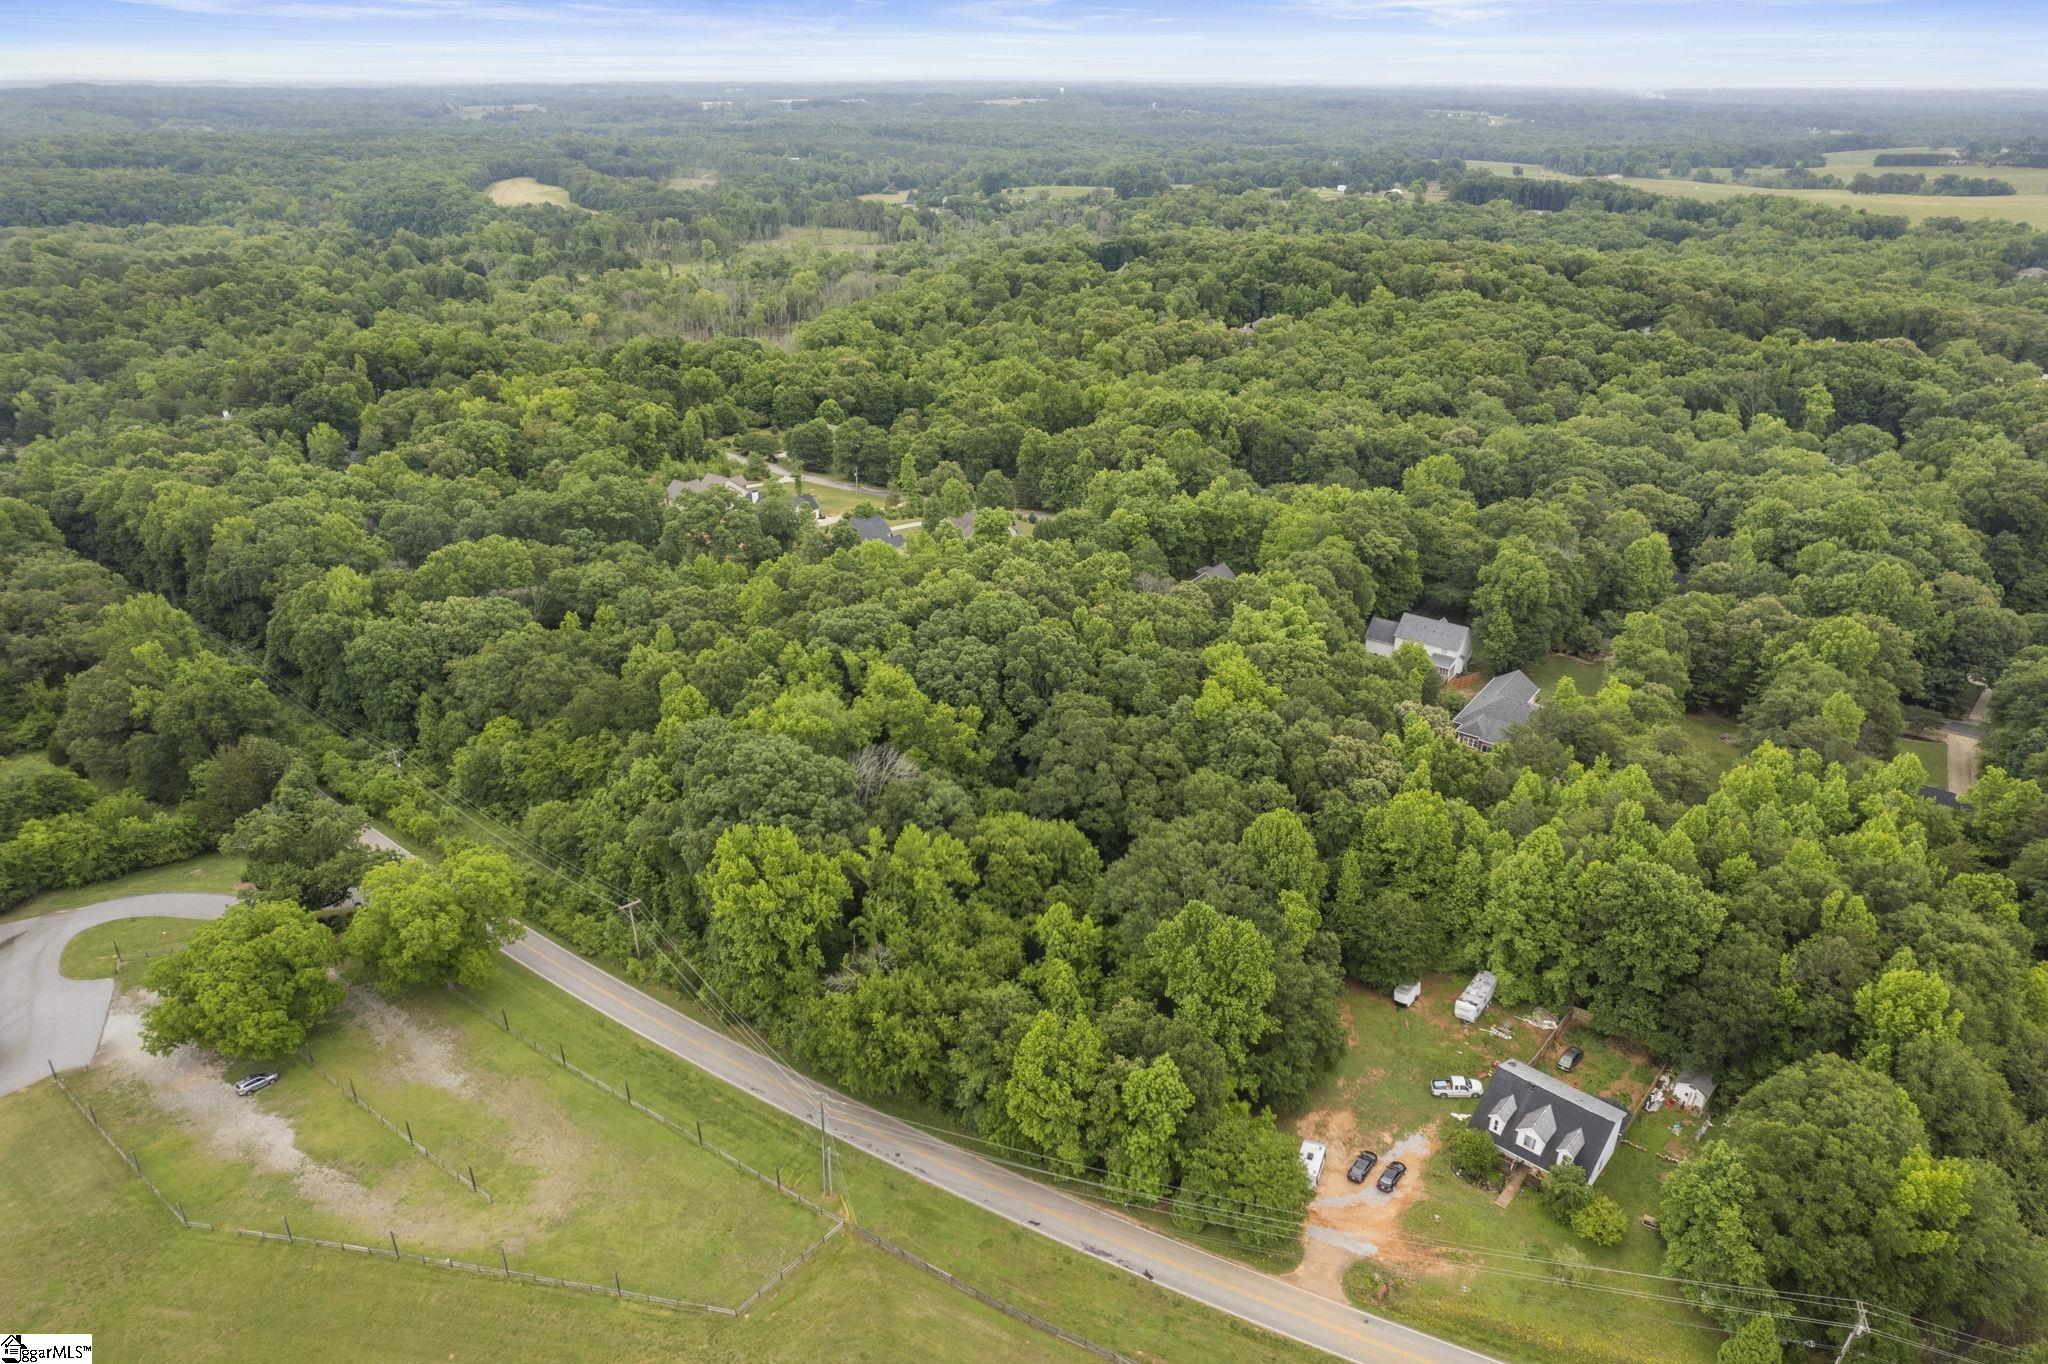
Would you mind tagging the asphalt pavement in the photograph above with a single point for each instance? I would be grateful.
(1223, 1284)
(46, 1017)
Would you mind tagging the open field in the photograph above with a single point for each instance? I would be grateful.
(892, 196)
(581, 1188)
(115, 1264)
(2029, 206)
(1055, 191)
(122, 1283)
(523, 190)
(694, 180)
(209, 874)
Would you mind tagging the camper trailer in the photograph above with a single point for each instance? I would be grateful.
(1477, 996)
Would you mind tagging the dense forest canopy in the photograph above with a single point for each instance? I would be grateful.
(324, 471)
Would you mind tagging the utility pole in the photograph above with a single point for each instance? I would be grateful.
(1862, 1327)
(634, 920)
(824, 1147)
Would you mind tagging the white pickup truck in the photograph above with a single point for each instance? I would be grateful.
(1456, 1087)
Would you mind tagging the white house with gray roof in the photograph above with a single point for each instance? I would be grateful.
(1449, 646)
(1542, 1122)
(1504, 702)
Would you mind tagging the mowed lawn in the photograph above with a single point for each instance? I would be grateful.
(1933, 755)
(88, 1249)
(582, 1186)
(1488, 1276)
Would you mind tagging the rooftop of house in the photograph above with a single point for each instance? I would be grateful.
(1433, 633)
(1380, 630)
(1504, 702)
(1571, 1123)
(1698, 1080)
(875, 528)
(1219, 571)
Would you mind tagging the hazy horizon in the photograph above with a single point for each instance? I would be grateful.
(1693, 45)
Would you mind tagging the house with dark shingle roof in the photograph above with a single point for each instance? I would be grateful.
(1504, 702)
(1542, 1122)
(1448, 644)
(875, 528)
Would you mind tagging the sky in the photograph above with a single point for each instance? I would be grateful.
(1609, 44)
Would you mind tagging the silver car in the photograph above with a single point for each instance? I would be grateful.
(249, 1084)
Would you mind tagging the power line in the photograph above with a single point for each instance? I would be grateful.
(1254, 1217)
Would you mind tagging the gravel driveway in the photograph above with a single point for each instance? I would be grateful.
(43, 1016)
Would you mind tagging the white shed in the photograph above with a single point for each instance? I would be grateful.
(1477, 996)
(1692, 1090)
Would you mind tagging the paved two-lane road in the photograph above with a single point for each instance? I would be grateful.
(1219, 1283)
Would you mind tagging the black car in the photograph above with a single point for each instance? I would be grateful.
(1569, 1057)
(1391, 1176)
(1362, 1167)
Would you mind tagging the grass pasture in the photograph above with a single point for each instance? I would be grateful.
(114, 1264)
(1054, 191)
(582, 1187)
(694, 180)
(523, 191)
(890, 196)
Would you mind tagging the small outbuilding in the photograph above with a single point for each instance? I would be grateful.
(1693, 1090)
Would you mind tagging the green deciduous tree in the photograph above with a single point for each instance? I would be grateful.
(430, 924)
(251, 984)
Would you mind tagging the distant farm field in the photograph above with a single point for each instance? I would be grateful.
(523, 190)
(2029, 206)
(1055, 191)
(892, 196)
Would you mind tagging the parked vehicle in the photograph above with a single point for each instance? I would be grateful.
(1405, 995)
(249, 1084)
(1569, 1057)
(1312, 1153)
(1362, 1167)
(1391, 1176)
(1455, 1087)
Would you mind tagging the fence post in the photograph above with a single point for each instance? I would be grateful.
(92, 1116)
(352, 1088)
(394, 1245)
(117, 956)
(52, 1065)
(778, 1179)
(700, 1131)
(181, 1218)
(504, 1263)
(615, 1284)
(408, 1134)
(629, 1092)
(504, 1018)
(472, 1179)
(289, 1239)
(562, 1053)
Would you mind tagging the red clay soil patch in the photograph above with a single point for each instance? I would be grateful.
(1348, 1220)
